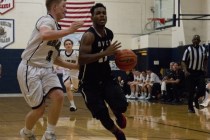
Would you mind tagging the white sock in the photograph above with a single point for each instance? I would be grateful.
(132, 93)
(27, 131)
(50, 128)
(72, 103)
(136, 95)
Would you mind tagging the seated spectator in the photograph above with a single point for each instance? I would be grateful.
(169, 72)
(142, 87)
(175, 85)
(153, 85)
(126, 86)
(134, 85)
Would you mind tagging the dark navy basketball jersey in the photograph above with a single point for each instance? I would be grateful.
(99, 70)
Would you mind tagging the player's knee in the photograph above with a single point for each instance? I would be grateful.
(57, 95)
(40, 110)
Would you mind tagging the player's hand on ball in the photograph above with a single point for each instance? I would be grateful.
(112, 49)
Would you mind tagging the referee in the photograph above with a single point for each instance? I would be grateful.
(194, 63)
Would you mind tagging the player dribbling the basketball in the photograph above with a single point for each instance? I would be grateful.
(97, 84)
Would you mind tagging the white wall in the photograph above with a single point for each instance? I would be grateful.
(127, 19)
(124, 18)
(25, 14)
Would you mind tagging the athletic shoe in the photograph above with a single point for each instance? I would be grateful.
(121, 120)
(128, 96)
(27, 136)
(119, 135)
(49, 136)
(72, 108)
(142, 97)
(205, 103)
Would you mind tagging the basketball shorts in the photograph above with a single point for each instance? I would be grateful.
(36, 82)
(97, 96)
(66, 76)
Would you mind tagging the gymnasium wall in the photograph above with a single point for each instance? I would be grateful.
(127, 19)
(10, 59)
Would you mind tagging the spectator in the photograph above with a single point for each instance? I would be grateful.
(126, 87)
(153, 85)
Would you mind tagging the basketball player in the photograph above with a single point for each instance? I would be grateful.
(97, 84)
(37, 79)
(70, 76)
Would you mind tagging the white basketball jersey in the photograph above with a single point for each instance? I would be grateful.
(71, 58)
(42, 53)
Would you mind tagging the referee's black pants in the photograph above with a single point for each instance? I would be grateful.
(193, 81)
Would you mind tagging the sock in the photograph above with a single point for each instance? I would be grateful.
(72, 103)
(50, 128)
(27, 131)
(132, 93)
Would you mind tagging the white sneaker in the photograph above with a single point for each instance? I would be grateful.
(142, 97)
(72, 108)
(148, 97)
(132, 96)
(27, 136)
(49, 136)
(128, 96)
(205, 103)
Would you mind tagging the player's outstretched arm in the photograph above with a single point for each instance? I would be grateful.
(49, 34)
(60, 62)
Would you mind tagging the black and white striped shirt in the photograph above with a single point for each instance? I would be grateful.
(194, 57)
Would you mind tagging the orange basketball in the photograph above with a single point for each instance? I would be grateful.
(125, 59)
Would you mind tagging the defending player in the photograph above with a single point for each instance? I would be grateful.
(37, 79)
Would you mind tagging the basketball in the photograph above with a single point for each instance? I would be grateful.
(125, 59)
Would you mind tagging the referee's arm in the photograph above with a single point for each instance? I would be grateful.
(183, 63)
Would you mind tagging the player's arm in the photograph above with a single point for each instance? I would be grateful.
(60, 62)
(49, 34)
(85, 49)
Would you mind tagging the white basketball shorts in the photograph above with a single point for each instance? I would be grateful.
(36, 82)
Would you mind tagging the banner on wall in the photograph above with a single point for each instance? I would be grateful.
(77, 11)
(6, 5)
(6, 32)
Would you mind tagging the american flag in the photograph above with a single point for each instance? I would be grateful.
(78, 11)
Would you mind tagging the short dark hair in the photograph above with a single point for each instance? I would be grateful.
(96, 6)
(68, 40)
(196, 37)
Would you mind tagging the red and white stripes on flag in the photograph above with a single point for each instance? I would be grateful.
(78, 11)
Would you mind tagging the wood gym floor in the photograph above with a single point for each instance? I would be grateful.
(145, 121)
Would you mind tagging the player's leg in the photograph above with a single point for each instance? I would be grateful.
(116, 99)
(32, 91)
(54, 92)
(95, 103)
(75, 83)
(67, 84)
